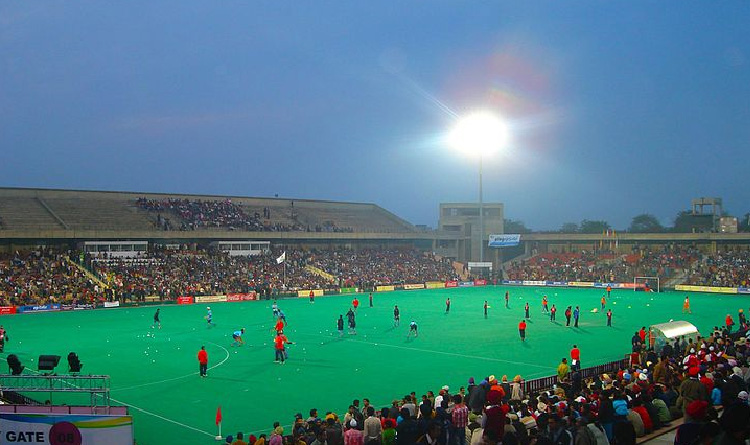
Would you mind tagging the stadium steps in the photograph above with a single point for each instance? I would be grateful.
(51, 212)
(101, 214)
(321, 273)
(680, 278)
(94, 278)
(26, 213)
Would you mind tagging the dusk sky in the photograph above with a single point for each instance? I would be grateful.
(615, 108)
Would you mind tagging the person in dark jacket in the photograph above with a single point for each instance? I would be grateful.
(407, 432)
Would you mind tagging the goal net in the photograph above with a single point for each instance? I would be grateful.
(651, 284)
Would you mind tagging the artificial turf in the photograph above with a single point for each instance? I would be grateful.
(155, 371)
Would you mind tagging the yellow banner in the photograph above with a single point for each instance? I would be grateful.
(414, 286)
(722, 290)
(384, 288)
(211, 299)
(306, 293)
(580, 284)
(434, 285)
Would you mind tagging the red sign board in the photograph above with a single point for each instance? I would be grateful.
(5, 310)
(184, 300)
(251, 296)
(451, 284)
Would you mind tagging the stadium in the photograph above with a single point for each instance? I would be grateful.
(374, 223)
(92, 267)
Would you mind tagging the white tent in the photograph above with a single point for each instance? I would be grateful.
(664, 332)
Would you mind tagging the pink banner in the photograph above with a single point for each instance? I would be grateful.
(480, 282)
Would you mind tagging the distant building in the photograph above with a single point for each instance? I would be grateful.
(459, 236)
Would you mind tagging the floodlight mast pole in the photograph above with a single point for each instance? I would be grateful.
(481, 214)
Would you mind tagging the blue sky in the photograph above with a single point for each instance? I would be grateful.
(615, 108)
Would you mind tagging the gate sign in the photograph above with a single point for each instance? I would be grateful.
(504, 240)
(66, 429)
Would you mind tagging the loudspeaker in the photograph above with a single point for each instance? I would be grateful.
(48, 362)
(15, 364)
(74, 363)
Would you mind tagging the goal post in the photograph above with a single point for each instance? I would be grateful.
(641, 283)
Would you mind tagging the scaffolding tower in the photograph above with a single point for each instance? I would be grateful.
(97, 386)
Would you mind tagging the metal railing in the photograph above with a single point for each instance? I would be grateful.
(545, 383)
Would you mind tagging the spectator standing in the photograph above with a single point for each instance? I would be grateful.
(562, 370)
(575, 358)
(459, 421)
(372, 430)
(353, 436)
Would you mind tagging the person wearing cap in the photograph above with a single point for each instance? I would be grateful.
(691, 389)
(353, 436)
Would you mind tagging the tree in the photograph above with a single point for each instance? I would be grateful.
(594, 226)
(569, 227)
(515, 226)
(645, 223)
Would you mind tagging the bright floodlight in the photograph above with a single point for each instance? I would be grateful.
(479, 134)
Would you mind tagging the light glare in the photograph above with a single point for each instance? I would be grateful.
(479, 134)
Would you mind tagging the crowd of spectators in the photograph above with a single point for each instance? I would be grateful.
(169, 274)
(729, 269)
(199, 214)
(605, 266)
(369, 268)
(702, 384)
(666, 261)
(43, 276)
(574, 266)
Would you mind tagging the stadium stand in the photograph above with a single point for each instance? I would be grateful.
(44, 275)
(605, 266)
(722, 269)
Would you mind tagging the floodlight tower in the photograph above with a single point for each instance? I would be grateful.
(478, 135)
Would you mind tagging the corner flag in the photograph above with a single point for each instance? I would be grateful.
(281, 258)
(218, 415)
